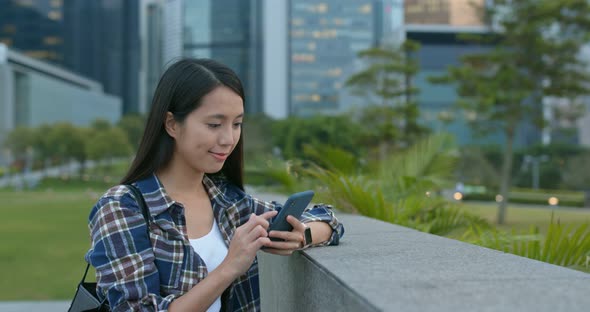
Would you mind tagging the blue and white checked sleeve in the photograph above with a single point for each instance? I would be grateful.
(319, 212)
(122, 254)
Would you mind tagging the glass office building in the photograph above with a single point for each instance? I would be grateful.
(324, 39)
(98, 39)
(228, 31)
(439, 50)
(102, 42)
(34, 92)
(35, 28)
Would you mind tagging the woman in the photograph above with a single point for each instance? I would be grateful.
(205, 231)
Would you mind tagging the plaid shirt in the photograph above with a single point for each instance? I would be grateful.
(140, 274)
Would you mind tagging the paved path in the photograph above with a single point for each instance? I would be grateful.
(33, 306)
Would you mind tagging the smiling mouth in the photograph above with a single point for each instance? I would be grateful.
(219, 156)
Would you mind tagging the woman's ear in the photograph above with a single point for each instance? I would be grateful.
(170, 125)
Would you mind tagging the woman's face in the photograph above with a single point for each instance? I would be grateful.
(210, 133)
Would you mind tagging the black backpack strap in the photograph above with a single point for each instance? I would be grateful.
(142, 205)
(85, 272)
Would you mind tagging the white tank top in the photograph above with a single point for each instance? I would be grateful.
(211, 248)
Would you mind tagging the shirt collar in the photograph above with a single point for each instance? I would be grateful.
(158, 200)
(155, 195)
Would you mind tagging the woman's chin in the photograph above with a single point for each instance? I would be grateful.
(213, 170)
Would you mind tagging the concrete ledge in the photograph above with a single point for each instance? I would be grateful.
(384, 267)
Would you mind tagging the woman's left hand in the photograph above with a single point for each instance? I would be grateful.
(293, 240)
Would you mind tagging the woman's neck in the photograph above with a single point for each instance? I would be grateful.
(179, 179)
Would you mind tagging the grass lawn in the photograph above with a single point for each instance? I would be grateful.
(43, 238)
(521, 217)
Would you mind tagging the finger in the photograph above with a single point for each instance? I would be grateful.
(269, 214)
(249, 225)
(262, 242)
(297, 225)
(256, 233)
(263, 218)
(285, 245)
(255, 220)
(288, 236)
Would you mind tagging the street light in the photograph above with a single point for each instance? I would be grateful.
(534, 161)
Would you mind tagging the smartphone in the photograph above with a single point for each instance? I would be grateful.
(294, 206)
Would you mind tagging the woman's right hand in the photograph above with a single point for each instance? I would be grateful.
(247, 240)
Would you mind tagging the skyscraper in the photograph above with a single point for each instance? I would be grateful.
(324, 39)
(102, 42)
(443, 12)
(98, 39)
(34, 28)
(228, 31)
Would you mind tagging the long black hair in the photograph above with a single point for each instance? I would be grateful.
(180, 91)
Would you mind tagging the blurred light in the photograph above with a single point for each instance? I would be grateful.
(365, 9)
(553, 201)
(499, 198)
(428, 193)
(458, 196)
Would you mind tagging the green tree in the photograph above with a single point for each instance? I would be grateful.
(133, 126)
(100, 124)
(386, 84)
(292, 134)
(256, 135)
(108, 144)
(578, 178)
(20, 141)
(534, 55)
(66, 142)
(474, 168)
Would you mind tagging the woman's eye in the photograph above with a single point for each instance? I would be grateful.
(214, 125)
(238, 125)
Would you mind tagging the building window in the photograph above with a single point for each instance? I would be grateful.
(297, 33)
(9, 29)
(24, 3)
(52, 41)
(22, 91)
(320, 8)
(40, 54)
(335, 72)
(338, 21)
(327, 33)
(365, 9)
(54, 15)
(297, 22)
(303, 58)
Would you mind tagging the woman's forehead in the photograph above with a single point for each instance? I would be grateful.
(222, 102)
